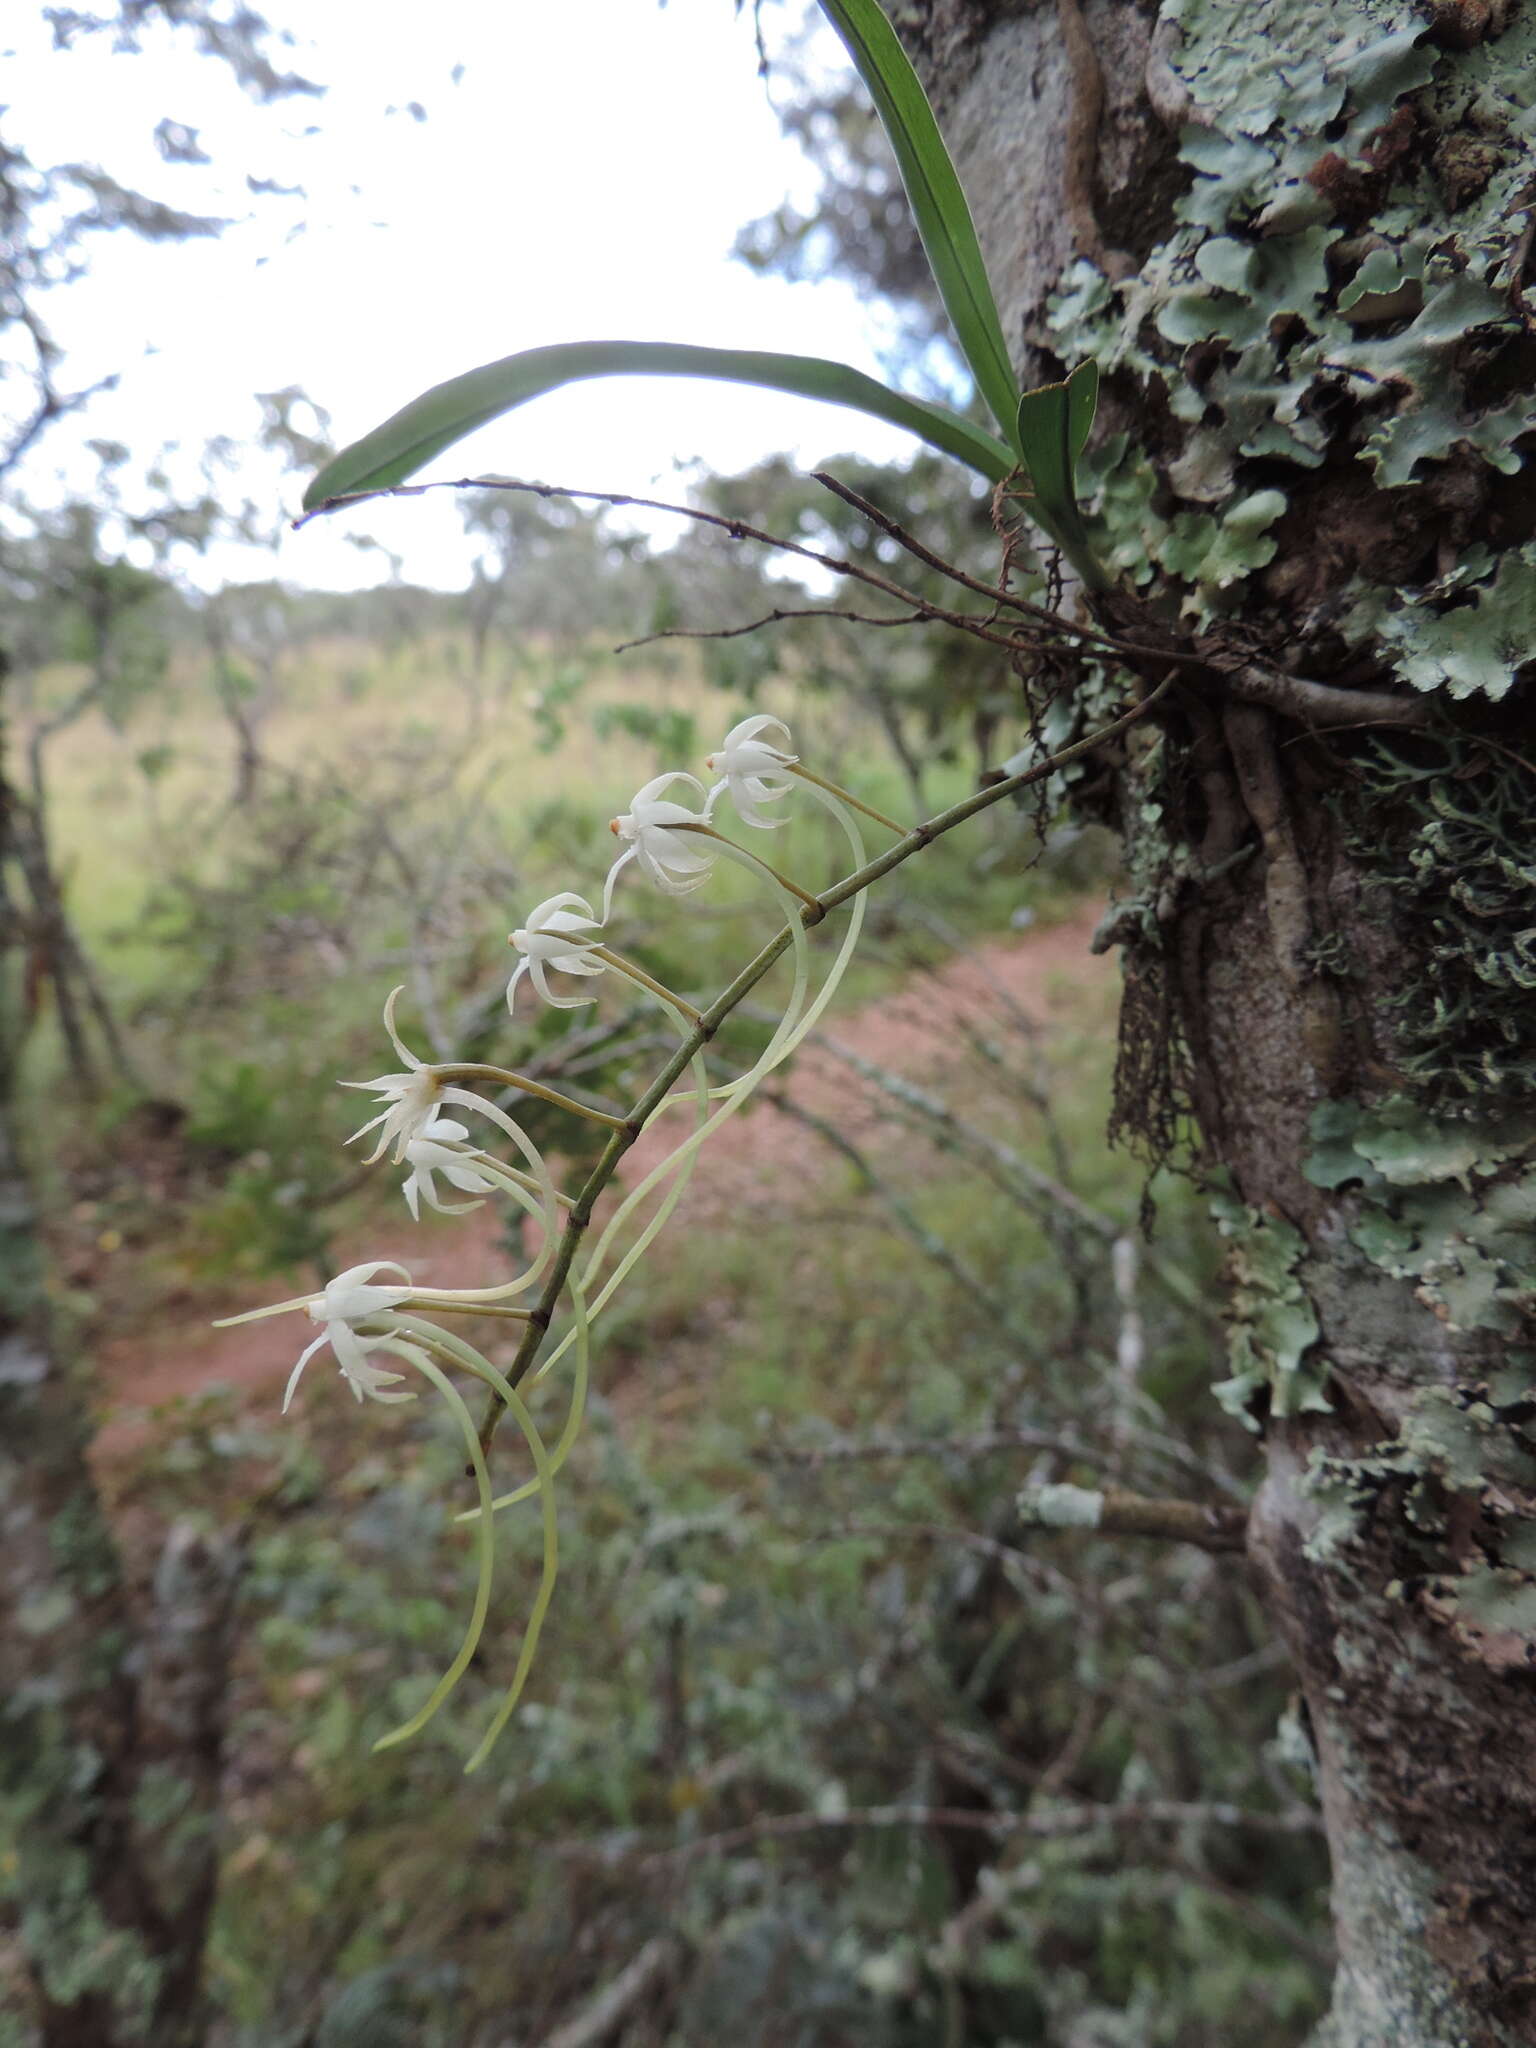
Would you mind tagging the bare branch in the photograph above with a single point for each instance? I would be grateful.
(984, 1443)
(1271, 1656)
(926, 555)
(1251, 1909)
(598, 2019)
(1314, 704)
(776, 617)
(52, 404)
(1040, 1192)
(988, 1906)
(1048, 1824)
(932, 1246)
(1321, 704)
(741, 529)
(1019, 1567)
(923, 614)
(1036, 1190)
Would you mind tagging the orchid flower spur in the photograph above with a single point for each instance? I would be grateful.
(751, 764)
(410, 1098)
(552, 938)
(675, 861)
(436, 1149)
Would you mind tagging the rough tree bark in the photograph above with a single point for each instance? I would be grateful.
(111, 1711)
(1296, 235)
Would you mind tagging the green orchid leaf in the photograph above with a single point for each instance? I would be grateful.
(443, 415)
(1054, 424)
(1082, 404)
(938, 200)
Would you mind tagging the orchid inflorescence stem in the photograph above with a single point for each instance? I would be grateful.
(363, 1317)
(710, 1020)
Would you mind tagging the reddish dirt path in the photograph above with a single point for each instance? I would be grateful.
(1049, 976)
(1045, 977)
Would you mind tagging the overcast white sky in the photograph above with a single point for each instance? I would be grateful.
(584, 178)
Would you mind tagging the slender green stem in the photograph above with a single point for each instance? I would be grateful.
(416, 1354)
(447, 1302)
(679, 1165)
(747, 980)
(510, 1178)
(756, 860)
(983, 800)
(797, 1024)
(638, 974)
(454, 1351)
(847, 796)
(603, 1172)
(849, 825)
(473, 1070)
(676, 1167)
(781, 1043)
(581, 1336)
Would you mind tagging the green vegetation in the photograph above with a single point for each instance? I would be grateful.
(798, 1610)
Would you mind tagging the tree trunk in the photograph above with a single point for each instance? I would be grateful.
(111, 1722)
(1295, 235)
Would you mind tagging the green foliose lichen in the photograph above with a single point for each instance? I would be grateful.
(1468, 1444)
(1340, 256)
(1442, 830)
(1212, 552)
(1272, 1324)
(1478, 642)
(1498, 1600)
(1447, 1205)
(1462, 1471)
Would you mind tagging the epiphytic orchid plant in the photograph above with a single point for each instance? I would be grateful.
(385, 1333)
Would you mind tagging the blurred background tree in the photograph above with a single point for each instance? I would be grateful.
(114, 1708)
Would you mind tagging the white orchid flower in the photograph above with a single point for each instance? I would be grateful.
(347, 1300)
(676, 862)
(413, 1098)
(434, 1150)
(751, 766)
(552, 938)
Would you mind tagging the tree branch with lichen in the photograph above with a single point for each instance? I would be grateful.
(1115, 1511)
